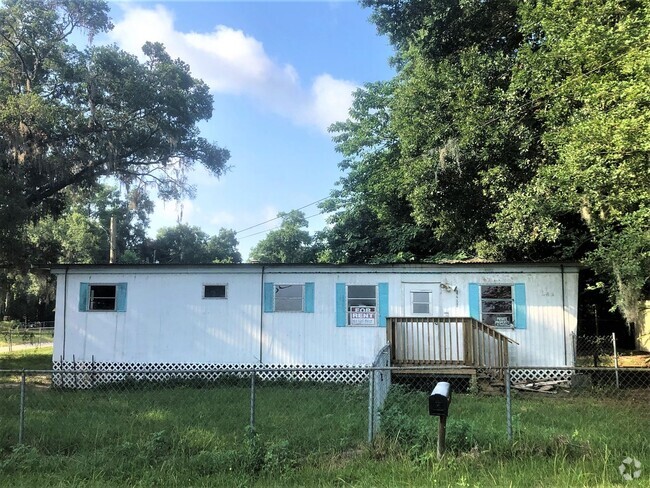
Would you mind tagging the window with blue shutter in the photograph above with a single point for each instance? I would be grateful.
(498, 305)
(289, 297)
(101, 297)
(361, 305)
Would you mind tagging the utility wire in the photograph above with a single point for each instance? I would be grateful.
(276, 227)
(276, 218)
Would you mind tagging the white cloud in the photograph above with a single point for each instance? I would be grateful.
(235, 63)
(223, 218)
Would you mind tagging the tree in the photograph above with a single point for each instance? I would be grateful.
(587, 67)
(131, 213)
(372, 219)
(70, 116)
(512, 131)
(288, 244)
(181, 244)
(222, 248)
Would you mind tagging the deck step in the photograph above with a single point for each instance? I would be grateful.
(436, 371)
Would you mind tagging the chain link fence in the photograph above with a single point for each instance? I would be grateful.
(28, 337)
(284, 417)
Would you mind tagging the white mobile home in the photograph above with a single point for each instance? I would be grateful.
(320, 315)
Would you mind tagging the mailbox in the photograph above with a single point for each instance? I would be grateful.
(440, 399)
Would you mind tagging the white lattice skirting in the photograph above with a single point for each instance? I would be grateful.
(83, 375)
(518, 376)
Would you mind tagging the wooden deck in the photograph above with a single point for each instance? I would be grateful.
(456, 345)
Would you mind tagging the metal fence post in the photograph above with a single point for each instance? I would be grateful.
(508, 405)
(21, 425)
(371, 405)
(615, 359)
(252, 413)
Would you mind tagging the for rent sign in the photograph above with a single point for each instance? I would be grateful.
(363, 315)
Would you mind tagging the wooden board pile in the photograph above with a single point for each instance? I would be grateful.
(550, 386)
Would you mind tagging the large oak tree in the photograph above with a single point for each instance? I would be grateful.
(70, 116)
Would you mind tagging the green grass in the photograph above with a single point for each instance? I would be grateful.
(32, 359)
(185, 434)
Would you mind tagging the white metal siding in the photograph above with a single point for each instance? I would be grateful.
(167, 320)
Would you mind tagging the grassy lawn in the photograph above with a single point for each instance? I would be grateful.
(35, 359)
(312, 435)
(139, 434)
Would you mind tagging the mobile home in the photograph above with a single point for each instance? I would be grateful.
(480, 314)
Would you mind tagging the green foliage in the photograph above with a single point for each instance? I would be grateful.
(291, 243)
(589, 67)
(70, 116)
(189, 244)
(512, 131)
(222, 247)
(417, 433)
(183, 436)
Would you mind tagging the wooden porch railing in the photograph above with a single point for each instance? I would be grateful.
(446, 341)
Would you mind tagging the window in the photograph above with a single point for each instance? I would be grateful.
(289, 298)
(362, 304)
(421, 302)
(103, 297)
(497, 305)
(214, 291)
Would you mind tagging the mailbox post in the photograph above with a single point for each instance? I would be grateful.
(439, 401)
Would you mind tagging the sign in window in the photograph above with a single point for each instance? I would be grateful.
(362, 305)
(497, 305)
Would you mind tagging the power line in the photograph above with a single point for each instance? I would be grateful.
(276, 218)
(276, 227)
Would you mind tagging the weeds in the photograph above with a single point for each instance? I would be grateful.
(306, 436)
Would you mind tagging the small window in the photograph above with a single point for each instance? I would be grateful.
(421, 302)
(362, 305)
(289, 298)
(214, 291)
(102, 297)
(497, 305)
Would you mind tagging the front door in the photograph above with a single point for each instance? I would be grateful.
(428, 299)
(423, 341)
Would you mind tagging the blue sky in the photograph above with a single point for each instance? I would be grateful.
(280, 73)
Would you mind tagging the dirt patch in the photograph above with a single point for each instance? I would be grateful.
(634, 359)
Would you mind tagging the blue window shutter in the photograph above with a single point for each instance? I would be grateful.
(84, 289)
(474, 301)
(341, 308)
(383, 304)
(120, 305)
(269, 291)
(520, 306)
(309, 297)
